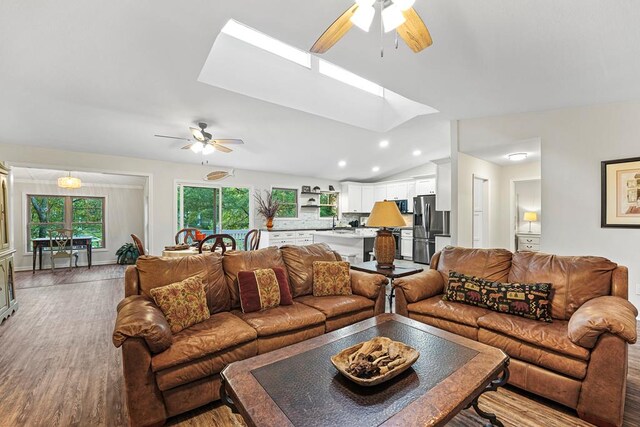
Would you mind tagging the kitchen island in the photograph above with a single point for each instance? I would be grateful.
(354, 245)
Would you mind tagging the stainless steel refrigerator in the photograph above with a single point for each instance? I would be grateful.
(426, 224)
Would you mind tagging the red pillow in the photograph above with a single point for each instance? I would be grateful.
(263, 288)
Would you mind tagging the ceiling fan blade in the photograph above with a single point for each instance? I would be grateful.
(187, 147)
(197, 134)
(335, 31)
(414, 33)
(228, 141)
(172, 137)
(222, 148)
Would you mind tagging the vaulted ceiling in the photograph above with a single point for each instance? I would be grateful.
(105, 76)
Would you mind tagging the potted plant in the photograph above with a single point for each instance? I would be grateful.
(267, 206)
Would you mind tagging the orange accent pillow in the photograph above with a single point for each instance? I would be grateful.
(263, 288)
(331, 278)
(183, 303)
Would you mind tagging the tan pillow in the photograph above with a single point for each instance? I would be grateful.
(182, 303)
(331, 278)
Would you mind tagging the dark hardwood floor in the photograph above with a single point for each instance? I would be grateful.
(59, 368)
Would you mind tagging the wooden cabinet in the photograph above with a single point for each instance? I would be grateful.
(368, 198)
(8, 302)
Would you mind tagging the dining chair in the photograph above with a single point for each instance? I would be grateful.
(138, 244)
(219, 242)
(252, 240)
(61, 246)
(189, 236)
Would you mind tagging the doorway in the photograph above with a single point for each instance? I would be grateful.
(526, 210)
(480, 227)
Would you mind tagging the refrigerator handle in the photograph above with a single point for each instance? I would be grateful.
(427, 223)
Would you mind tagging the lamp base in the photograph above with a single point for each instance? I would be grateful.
(384, 248)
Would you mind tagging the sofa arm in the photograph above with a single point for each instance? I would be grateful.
(367, 284)
(420, 286)
(603, 314)
(139, 317)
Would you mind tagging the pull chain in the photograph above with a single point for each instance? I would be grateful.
(381, 30)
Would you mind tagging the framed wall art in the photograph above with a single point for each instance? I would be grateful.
(621, 193)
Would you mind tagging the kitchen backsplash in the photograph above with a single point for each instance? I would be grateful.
(306, 220)
(348, 217)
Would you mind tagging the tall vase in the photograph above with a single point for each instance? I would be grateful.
(269, 223)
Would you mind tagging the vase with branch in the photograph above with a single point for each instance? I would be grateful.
(266, 206)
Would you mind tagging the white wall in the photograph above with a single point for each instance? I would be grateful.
(574, 142)
(161, 183)
(124, 214)
(423, 170)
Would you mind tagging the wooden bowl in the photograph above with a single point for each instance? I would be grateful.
(341, 362)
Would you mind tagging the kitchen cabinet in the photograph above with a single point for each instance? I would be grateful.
(411, 193)
(281, 238)
(443, 186)
(352, 198)
(397, 191)
(368, 198)
(406, 244)
(380, 192)
(425, 186)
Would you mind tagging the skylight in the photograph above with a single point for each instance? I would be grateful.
(340, 74)
(265, 42)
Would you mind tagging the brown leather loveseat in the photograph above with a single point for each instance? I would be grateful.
(167, 374)
(579, 360)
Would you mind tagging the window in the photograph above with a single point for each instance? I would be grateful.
(328, 205)
(84, 215)
(288, 199)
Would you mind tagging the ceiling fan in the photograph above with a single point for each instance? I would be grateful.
(396, 15)
(203, 141)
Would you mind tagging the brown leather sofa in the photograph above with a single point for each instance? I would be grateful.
(579, 360)
(167, 374)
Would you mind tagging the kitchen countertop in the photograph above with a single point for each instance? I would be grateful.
(276, 230)
(345, 235)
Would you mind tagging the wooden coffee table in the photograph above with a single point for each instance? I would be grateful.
(298, 386)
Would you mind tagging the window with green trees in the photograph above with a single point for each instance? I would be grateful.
(328, 205)
(84, 215)
(235, 208)
(288, 198)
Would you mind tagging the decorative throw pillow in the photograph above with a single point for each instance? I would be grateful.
(331, 278)
(530, 300)
(263, 288)
(183, 303)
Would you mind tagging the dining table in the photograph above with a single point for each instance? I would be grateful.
(39, 243)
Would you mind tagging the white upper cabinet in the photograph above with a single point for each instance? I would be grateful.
(380, 192)
(425, 186)
(411, 193)
(397, 191)
(354, 198)
(368, 198)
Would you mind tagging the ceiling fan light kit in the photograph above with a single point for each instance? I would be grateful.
(204, 142)
(363, 17)
(392, 17)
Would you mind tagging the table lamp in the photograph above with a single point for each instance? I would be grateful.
(531, 217)
(385, 214)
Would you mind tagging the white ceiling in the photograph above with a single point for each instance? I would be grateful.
(52, 175)
(498, 154)
(105, 76)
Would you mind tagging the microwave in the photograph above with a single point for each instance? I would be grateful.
(403, 206)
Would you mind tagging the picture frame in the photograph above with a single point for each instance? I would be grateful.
(620, 193)
(306, 189)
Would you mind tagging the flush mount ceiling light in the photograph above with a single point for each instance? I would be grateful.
(516, 157)
(384, 143)
(396, 15)
(69, 182)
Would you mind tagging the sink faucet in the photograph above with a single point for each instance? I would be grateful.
(333, 221)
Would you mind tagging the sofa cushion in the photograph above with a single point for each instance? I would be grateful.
(219, 332)
(552, 336)
(157, 271)
(491, 264)
(299, 261)
(236, 261)
(331, 278)
(332, 306)
(575, 279)
(183, 303)
(453, 311)
(263, 289)
(282, 319)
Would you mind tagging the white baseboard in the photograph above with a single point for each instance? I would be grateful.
(47, 266)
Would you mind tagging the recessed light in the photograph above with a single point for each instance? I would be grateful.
(375, 168)
(342, 163)
(516, 157)
(265, 42)
(347, 77)
(384, 143)
(416, 152)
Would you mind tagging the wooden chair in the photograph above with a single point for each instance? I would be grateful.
(138, 244)
(219, 242)
(252, 240)
(189, 233)
(61, 246)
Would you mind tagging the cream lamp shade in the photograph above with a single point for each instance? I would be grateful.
(530, 216)
(386, 214)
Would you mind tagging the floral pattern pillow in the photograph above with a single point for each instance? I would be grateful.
(263, 289)
(183, 303)
(331, 278)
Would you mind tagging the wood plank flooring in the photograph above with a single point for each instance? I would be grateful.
(59, 368)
